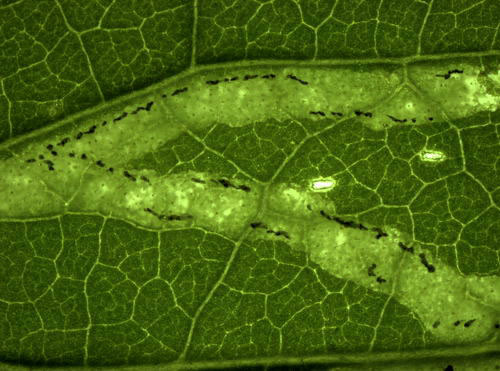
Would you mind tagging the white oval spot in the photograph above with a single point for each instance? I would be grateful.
(431, 156)
(322, 185)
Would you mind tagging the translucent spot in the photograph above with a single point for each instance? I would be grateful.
(242, 93)
(434, 156)
(341, 238)
(138, 197)
(478, 96)
(292, 194)
(495, 77)
(322, 185)
(410, 106)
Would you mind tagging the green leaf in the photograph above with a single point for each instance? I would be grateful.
(209, 183)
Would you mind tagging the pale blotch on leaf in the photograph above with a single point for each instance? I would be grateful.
(322, 185)
(433, 156)
(481, 92)
(138, 197)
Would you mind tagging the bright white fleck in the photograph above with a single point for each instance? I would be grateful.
(322, 184)
(431, 156)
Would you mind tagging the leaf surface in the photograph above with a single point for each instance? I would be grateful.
(235, 183)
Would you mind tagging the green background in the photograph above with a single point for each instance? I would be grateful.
(61, 57)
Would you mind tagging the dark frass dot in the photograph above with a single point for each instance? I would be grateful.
(179, 91)
(282, 233)
(174, 217)
(436, 324)
(148, 210)
(469, 322)
(79, 135)
(244, 188)
(41, 157)
(285, 234)
(71, 154)
(381, 280)
(448, 368)
(371, 269)
(123, 115)
(456, 323)
(63, 141)
(50, 164)
(448, 75)
(406, 248)
(325, 215)
(54, 153)
(140, 108)
(110, 169)
(129, 176)
(366, 114)
(91, 130)
(152, 212)
(100, 163)
(321, 113)
(257, 225)
(396, 119)
(50, 147)
(104, 123)
(83, 156)
(293, 77)
(380, 233)
(30, 160)
(347, 224)
(423, 260)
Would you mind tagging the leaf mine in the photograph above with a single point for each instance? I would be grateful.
(355, 141)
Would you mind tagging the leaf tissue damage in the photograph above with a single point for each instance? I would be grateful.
(192, 210)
